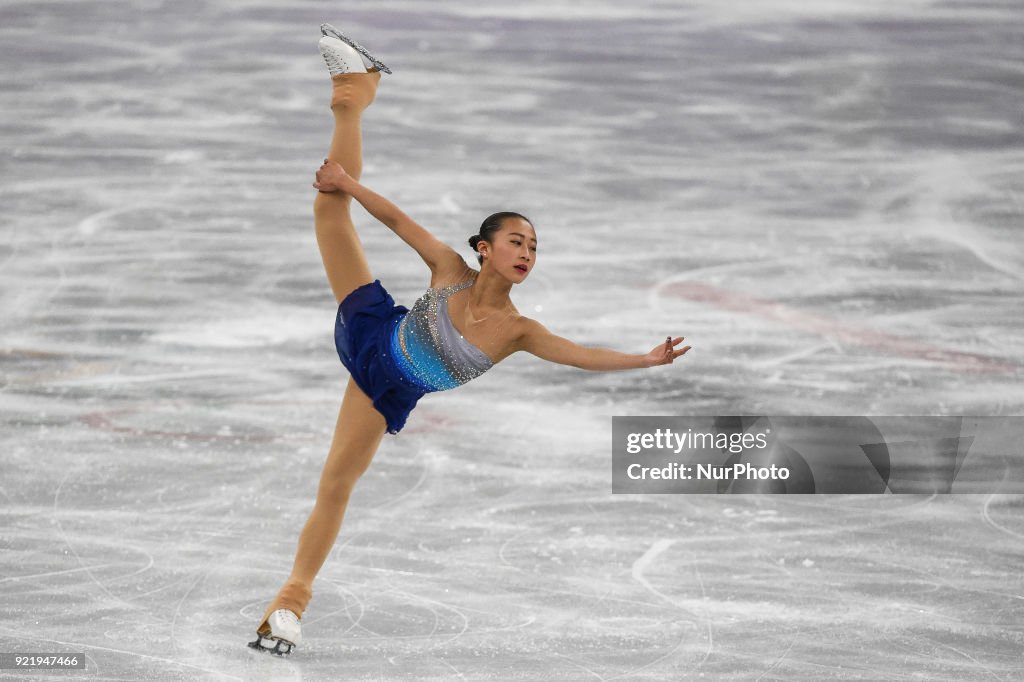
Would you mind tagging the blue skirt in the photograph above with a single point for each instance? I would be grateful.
(362, 335)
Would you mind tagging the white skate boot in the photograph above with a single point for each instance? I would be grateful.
(285, 633)
(369, 61)
(340, 57)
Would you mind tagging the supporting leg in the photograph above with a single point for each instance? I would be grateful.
(357, 435)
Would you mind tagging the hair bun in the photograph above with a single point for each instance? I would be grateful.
(474, 240)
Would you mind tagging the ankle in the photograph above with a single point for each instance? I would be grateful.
(371, 76)
(294, 596)
(347, 98)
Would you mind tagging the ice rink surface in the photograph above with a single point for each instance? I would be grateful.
(824, 198)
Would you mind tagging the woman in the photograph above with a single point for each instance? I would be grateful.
(461, 327)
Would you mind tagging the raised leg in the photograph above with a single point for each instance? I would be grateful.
(340, 248)
(357, 435)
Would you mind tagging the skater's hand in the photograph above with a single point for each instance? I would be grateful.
(665, 353)
(331, 177)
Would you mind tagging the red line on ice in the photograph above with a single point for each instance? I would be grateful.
(890, 343)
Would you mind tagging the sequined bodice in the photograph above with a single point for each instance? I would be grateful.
(428, 349)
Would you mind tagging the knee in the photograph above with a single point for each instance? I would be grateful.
(336, 487)
(333, 495)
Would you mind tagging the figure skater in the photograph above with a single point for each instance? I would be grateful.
(462, 326)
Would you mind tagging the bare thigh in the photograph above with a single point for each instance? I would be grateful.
(340, 247)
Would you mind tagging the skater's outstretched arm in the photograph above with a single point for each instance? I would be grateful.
(331, 177)
(535, 338)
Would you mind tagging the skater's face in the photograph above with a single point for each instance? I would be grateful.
(513, 249)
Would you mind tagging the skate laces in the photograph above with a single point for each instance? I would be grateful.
(288, 615)
(335, 64)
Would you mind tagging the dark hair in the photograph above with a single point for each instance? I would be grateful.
(490, 226)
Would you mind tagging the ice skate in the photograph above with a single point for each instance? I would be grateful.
(284, 633)
(369, 61)
(340, 58)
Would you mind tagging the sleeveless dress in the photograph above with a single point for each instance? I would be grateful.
(397, 355)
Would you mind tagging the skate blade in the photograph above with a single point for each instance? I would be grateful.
(278, 647)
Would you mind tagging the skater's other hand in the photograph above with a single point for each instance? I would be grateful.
(665, 353)
(331, 177)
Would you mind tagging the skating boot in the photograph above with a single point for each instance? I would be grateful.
(369, 61)
(284, 633)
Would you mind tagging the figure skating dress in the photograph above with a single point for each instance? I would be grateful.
(397, 355)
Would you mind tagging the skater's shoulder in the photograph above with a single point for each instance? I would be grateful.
(452, 270)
